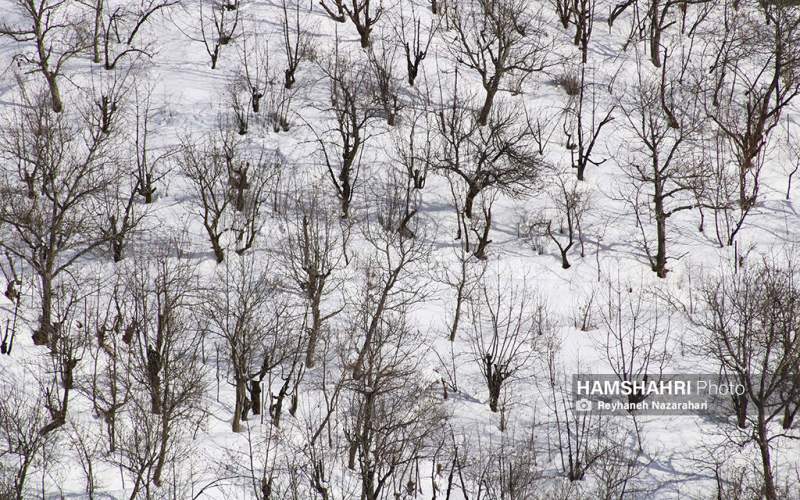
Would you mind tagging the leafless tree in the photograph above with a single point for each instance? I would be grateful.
(753, 79)
(507, 467)
(54, 173)
(582, 137)
(68, 346)
(231, 187)
(296, 43)
(499, 40)
(244, 310)
(314, 250)
(56, 36)
(464, 280)
(749, 326)
(109, 384)
(22, 445)
(581, 437)
(224, 21)
(364, 14)
(637, 324)
(165, 346)
(388, 267)
(149, 163)
(343, 144)
(498, 156)
(663, 169)
(384, 83)
(508, 324)
(391, 415)
(256, 73)
(583, 19)
(570, 203)
(117, 28)
(414, 40)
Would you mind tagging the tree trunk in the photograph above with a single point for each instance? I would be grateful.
(238, 406)
(770, 491)
(98, 21)
(313, 334)
(255, 397)
(55, 92)
(42, 335)
(483, 117)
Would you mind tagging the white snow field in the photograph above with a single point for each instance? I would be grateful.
(218, 287)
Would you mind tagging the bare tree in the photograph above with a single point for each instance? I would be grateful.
(165, 345)
(754, 78)
(55, 172)
(364, 14)
(384, 83)
(244, 310)
(637, 325)
(662, 166)
(392, 417)
(583, 19)
(499, 40)
(231, 188)
(464, 281)
(343, 144)
(571, 203)
(224, 21)
(56, 36)
(499, 156)
(508, 322)
(296, 43)
(149, 163)
(117, 29)
(582, 137)
(414, 40)
(22, 445)
(389, 268)
(315, 253)
(749, 326)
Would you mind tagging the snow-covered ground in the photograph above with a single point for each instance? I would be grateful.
(448, 443)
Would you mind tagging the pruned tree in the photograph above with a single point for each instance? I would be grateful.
(56, 35)
(231, 187)
(414, 40)
(508, 325)
(296, 43)
(583, 18)
(499, 40)
(224, 22)
(384, 82)
(150, 161)
(364, 15)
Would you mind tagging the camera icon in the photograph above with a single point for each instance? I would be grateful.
(583, 405)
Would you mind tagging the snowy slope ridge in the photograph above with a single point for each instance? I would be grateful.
(357, 249)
